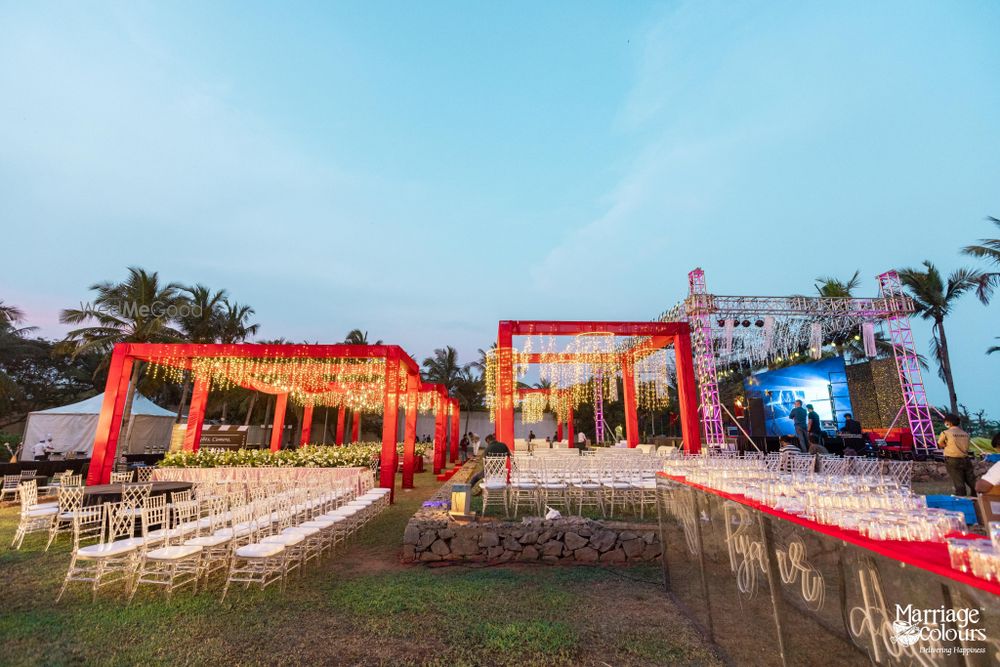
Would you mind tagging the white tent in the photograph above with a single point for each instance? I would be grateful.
(73, 426)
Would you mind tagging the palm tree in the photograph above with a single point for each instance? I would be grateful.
(235, 324)
(994, 348)
(138, 310)
(832, 287)
(234, 327)
(934, 298)
(12, 345)
(988, 249)
(10, 314)
(443, 368)
(359, 337)
(202, 323)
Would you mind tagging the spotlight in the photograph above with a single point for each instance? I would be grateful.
(722, 323)
(759, 323)
(746, 323)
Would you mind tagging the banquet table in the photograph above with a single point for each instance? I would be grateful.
(112, 493)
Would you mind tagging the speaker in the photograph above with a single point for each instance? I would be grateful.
(754, 421)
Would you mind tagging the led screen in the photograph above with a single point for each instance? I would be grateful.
(822, 383)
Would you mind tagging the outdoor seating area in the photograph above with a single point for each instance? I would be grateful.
(549, 334)
(570, 480)
(256, 532)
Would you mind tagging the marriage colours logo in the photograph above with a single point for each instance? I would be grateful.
(939, 630)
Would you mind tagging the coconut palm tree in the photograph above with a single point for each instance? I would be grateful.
(443, 368)
(235, 324)
(138, 310)
(12, 345)
(235, 327)
(988, 249)
(833, 287)
(201, 323)
(934, 298)
(9, 314)
(359, 337)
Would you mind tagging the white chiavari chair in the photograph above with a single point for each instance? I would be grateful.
(112, 559)
(70, 501)
(494, 484)
(34, 518)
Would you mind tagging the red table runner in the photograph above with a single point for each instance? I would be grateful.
(930, 556)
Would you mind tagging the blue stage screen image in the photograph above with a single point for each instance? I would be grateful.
(822, 383)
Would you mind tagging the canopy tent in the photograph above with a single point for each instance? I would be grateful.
(73, 426)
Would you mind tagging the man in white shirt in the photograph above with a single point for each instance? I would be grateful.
(41, 450)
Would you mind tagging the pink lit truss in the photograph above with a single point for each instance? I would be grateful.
(703, 311)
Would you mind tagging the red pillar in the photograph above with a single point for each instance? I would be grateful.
(505, 385)
(196, 415)
(454, 430)
(341, 418)
(110, 421)
(631, 416)
(410, 434)
(569, 426)
(356, 427)
(307, 420)
(559, 431)
(687, 399)
(390, 415)
(440, 414)
(278, 428)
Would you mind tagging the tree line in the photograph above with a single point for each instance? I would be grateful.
(36, 373)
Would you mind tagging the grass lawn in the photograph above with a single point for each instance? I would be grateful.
(359, 607)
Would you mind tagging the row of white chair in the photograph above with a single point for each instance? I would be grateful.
(270, 532)
(572, 484)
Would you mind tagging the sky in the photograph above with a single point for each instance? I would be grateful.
(423, 170)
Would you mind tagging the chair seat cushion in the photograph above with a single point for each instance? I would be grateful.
(307, 531)
(45, 511)
(260, 550)
(493, 486)
(317, 523)
(288, 539)
(110, 549)
(233, 532)
(209, 540)
(174, 553)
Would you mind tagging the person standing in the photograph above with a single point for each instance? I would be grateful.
(799, 418)
(463, 446)
(40, 451)
(815, 427)
(955, 442)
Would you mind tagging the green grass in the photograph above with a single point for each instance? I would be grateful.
(359, 607)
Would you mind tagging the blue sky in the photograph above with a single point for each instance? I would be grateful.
(422, 170)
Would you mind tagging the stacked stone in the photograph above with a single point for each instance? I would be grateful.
(575, 539)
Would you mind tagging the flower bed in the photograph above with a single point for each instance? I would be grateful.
(318, 456)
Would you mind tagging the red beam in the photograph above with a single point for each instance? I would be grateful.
(196, 415)
(278, 426)
(558, 328)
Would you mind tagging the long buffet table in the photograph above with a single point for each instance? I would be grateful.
(773, 588)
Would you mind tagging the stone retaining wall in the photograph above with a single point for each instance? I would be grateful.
(934, 471)
(431, 536)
